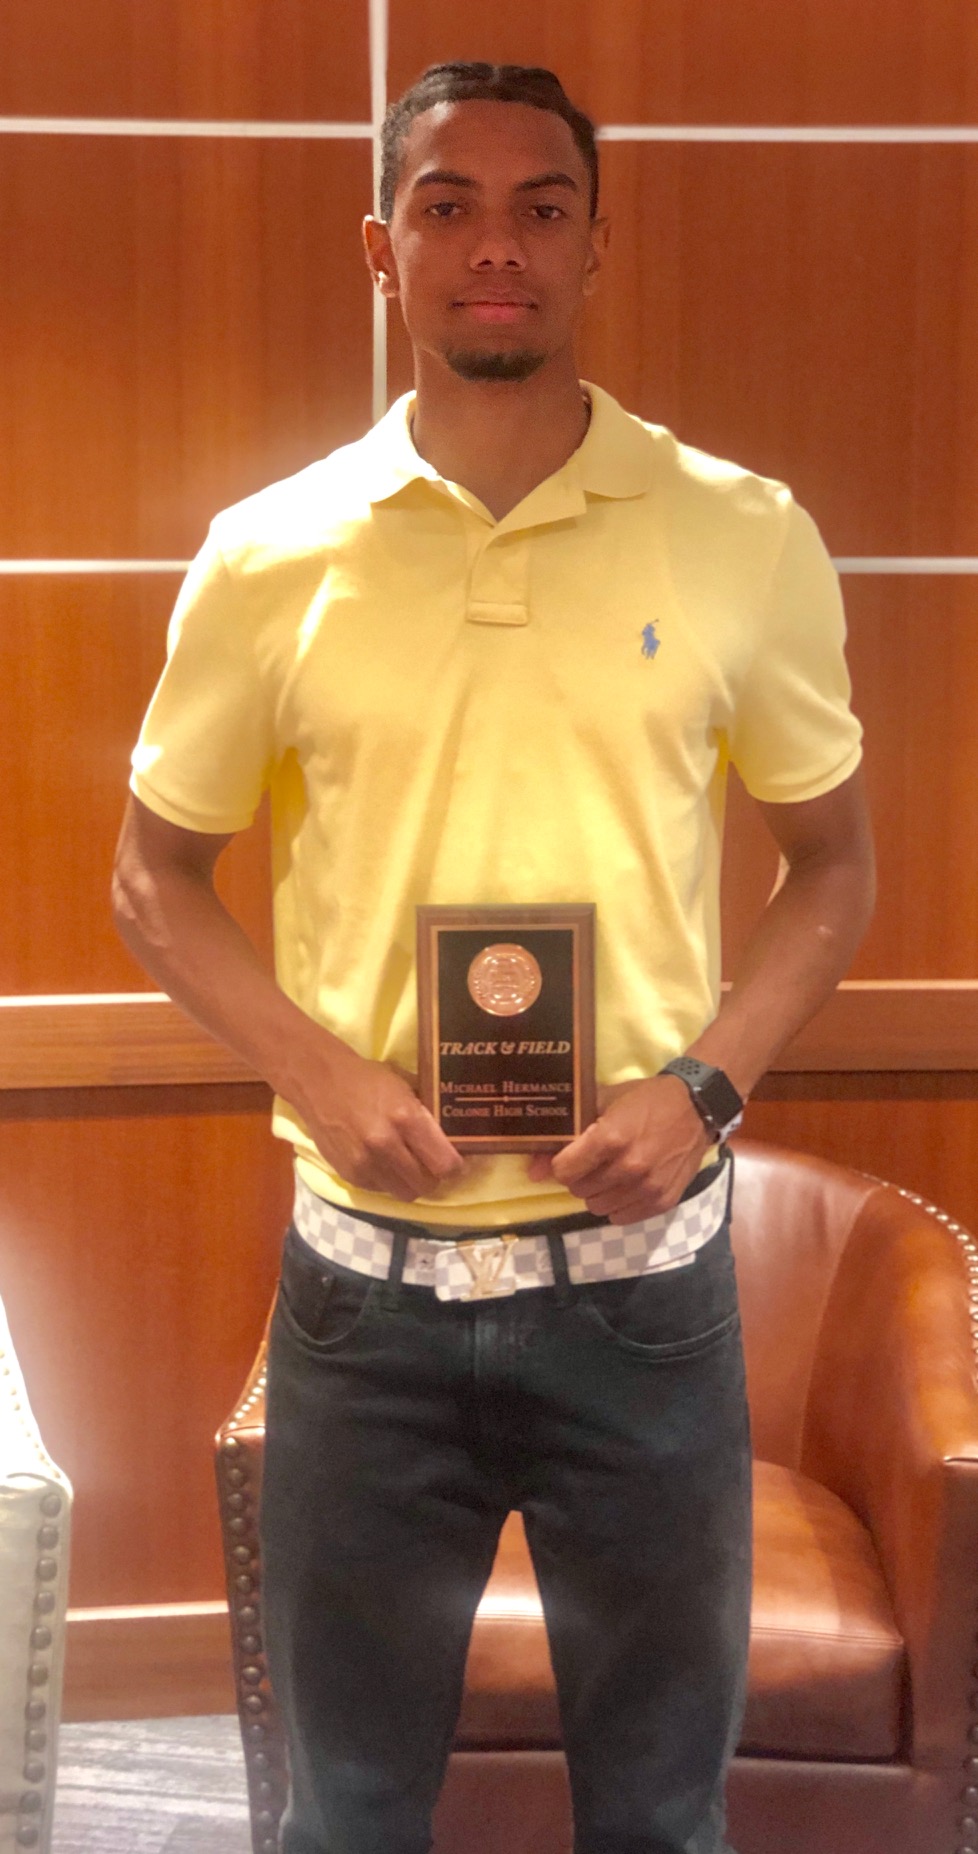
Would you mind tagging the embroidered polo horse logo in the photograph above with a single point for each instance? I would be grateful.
(650, 642)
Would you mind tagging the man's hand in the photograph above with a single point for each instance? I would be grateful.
(368, 1123)
(364, 1116)
(638, 1157)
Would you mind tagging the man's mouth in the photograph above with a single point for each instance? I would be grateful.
(496, 308)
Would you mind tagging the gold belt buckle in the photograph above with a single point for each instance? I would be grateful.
(486, 1258)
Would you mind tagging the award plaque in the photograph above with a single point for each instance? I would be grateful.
(506, 1024)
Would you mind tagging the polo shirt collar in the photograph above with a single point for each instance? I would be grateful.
(614, 459)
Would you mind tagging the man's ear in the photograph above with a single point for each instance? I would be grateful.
(600, 235)
(380, 256)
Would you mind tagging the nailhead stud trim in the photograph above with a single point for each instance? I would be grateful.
(966, 1242)
(41, 1640)
(967, 1824)
(264, 1750)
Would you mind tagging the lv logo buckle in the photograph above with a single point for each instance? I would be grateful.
(488, 1260)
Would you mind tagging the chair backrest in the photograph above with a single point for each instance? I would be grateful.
(792, 1216)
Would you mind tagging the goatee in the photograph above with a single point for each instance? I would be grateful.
(479, 364)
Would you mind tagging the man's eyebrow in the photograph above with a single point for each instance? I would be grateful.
(548, 180)
(444, 177)
(447, 177)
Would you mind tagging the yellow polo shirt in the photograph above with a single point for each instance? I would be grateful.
(452, 709)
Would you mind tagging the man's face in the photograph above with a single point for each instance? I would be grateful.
(491, 247)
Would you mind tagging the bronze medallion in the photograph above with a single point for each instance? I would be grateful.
(504, 979)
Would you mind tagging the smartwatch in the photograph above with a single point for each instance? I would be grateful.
(712, 1093)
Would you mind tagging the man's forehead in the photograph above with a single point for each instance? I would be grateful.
(471, 137)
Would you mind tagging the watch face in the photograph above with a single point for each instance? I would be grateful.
(712, 1092)
(720, 1099)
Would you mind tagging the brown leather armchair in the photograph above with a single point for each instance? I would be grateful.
(860, 1312)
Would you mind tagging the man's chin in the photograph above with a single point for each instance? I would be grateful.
(485, 364)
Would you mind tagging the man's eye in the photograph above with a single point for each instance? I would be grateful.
(548, 211)
(443, 209)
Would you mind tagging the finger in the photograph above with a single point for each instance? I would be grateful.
(420, 1132)
(540, 1167)
(618, 1209)
(633, 1202)
(386, 1161)
(603, 1180)
(622, 1174)
(597, 1147)
(394, 1170)
(432, 1148)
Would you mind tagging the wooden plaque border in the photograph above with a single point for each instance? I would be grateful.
(579, 916)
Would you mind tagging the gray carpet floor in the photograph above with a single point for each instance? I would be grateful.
(151, 1786)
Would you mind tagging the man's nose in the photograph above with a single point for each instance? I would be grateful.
(497, 249)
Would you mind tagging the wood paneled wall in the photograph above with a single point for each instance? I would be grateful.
(186, 316)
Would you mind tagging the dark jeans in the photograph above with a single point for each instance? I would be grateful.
(400, 1432)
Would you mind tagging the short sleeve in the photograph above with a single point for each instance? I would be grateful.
(793, 733)
(204, 752)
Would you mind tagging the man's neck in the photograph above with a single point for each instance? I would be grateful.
(498, 439)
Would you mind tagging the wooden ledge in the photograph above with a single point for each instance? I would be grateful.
(132, 1039)
(106, 1040)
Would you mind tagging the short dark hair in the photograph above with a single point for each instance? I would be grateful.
(478, 83)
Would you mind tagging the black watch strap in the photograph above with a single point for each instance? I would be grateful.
(713, 1094)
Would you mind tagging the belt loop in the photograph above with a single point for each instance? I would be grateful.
(558, 1262)
(390, 1293)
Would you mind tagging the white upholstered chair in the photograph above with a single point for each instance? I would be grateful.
(35, 1514)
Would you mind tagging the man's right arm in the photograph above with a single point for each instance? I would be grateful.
(363, 1116)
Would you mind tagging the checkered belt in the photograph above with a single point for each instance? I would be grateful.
(485, 1265)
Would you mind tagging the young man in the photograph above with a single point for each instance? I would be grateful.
(501, 651)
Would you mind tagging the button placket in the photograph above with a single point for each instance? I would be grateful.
(499, 582)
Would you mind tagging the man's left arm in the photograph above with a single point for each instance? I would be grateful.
(648, 1141)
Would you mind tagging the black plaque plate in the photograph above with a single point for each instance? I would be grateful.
(506, 1024)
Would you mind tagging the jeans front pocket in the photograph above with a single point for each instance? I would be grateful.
(319, 1303)
(677, 1313)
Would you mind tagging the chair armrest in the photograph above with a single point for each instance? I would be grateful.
(891, 1426)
